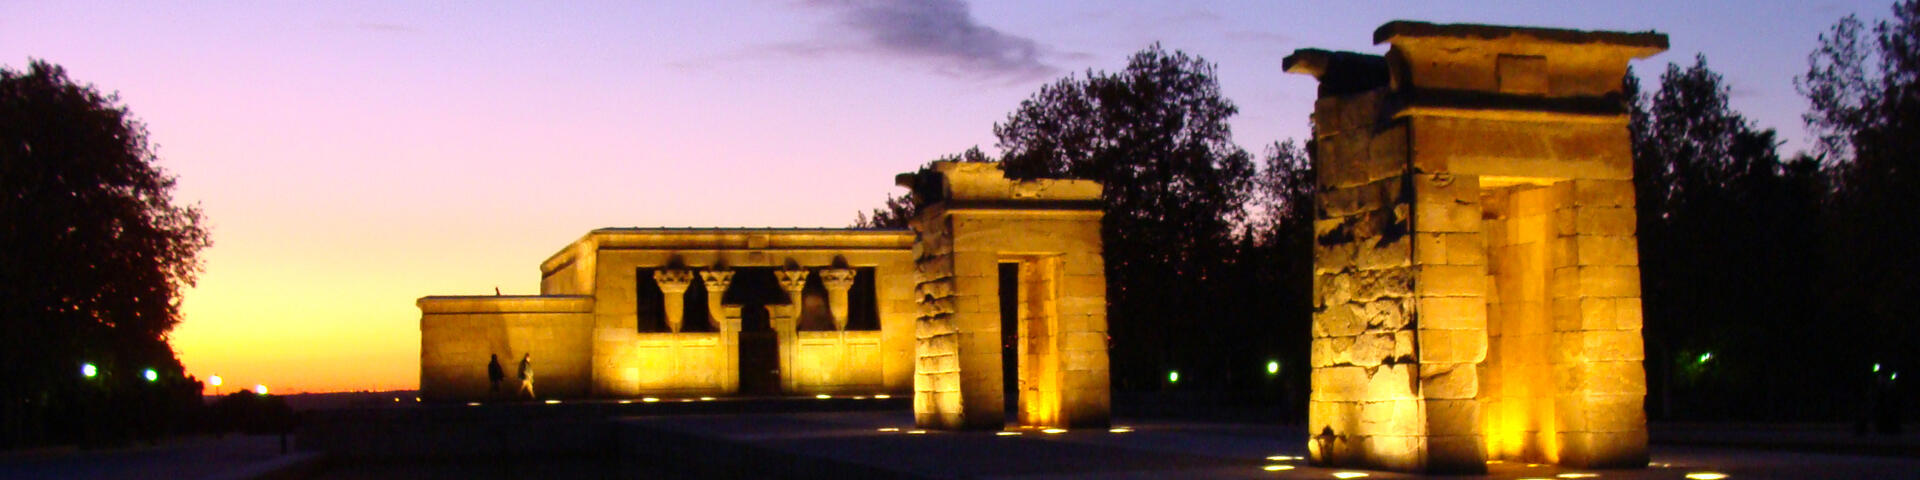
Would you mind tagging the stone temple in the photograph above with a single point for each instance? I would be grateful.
(991, 310)
(1476, 276)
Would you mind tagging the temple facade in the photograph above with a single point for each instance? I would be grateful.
(1476, 275)
(991, 310)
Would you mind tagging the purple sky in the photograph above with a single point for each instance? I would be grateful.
(353, 156)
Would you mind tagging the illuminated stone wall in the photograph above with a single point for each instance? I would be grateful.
(1476, 283)
(584, 334)
(457, 334)
(972, 219)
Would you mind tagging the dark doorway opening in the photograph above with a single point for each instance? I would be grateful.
(753, 290)
(1010, 340)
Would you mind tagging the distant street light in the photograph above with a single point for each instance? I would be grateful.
(1704, 357)
(1173, 376)
(88, 370)
(1273, 367)
(150, 375)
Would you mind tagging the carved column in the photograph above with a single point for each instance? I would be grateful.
(717, 281)
(838, 282)
(673, 285)
(787, 321)
(727, 321)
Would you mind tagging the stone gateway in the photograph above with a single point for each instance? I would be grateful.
(1476, 278)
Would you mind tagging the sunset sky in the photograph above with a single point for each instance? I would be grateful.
(354, 156)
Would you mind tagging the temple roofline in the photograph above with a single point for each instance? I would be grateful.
(1652, 41)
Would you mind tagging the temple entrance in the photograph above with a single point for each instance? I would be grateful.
(1030, 366)
(1010, 340)
(1518, 398)
(759, 352)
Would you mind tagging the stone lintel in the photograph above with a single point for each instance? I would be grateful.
(1640, 44)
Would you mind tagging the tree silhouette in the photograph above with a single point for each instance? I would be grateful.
(95, 255)
(1864, 94)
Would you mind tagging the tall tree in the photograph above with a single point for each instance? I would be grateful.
(1864, 92)
(1156, 135)
(1727, 248)
(95, 254)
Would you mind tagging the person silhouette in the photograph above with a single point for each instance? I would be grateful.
(526, 376)
(494, 373)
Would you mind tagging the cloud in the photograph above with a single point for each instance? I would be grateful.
(939, 33)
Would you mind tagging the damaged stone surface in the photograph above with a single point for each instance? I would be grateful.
(1476, 290)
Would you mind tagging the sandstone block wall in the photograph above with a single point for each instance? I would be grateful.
(457, 334)
(1476, 281)
(974, 220)
(838, 362)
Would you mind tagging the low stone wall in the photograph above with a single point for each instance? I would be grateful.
(459, 334)
(837, 362)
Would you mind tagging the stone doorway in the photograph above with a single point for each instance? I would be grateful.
(759, 352)
(755, 292)
(1030, 345)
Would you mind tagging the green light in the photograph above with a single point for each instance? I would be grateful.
(1173, 376)
(1273, 367)
(151, 375)
(1876, 368)
(88, 370)
(1704, 357)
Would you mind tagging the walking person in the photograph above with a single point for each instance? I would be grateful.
(495, 374)
(526, 377)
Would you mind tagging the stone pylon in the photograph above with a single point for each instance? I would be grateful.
(1476, 286)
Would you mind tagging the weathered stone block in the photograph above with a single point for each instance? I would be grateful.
(1604, 378)
(1339, 383)
(1452, 313)
(1382, 252)
(1372, 348)
(1609, 281)
(1603, 193)
(1441, 214)
(1331, 351)
(1453, 417)
(1616, 221)
(1449, 381)
(1452, 346)
(1391, 418)
(1390, 382)
(1451, 280)
(1601, 250)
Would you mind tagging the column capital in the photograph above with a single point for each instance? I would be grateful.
(717, 279)
(840, 279)
(673, 281)
(793, 280)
